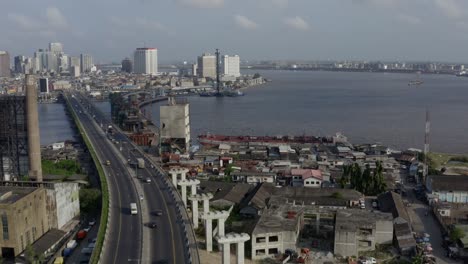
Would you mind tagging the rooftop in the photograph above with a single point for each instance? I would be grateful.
(281, 219)
(10, 195)
(449, 182)
(352, 219)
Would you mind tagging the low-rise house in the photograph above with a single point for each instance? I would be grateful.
(360, 230)
(253, 177)
(448, 188)
(306, 178)
(225, 194)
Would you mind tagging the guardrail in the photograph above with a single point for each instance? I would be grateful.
(105, 194)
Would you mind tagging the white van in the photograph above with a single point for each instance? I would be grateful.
(133, 208)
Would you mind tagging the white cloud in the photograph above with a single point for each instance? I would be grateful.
(450, 8)
(23, 22)
(202, 3)
(55, 18)
(47, 25)
(412, 20)
(296, 23)
(244, 22)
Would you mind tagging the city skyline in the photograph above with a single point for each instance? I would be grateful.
(258, 30)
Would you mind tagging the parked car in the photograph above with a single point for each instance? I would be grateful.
(87, 229)
(92, 222)
(151, 225)
(158, 213)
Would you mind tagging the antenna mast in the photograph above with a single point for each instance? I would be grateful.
(217, 70)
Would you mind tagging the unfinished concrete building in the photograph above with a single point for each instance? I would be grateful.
(359, 230)
(175, 126)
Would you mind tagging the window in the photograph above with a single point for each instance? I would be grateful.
(260, 252)
(6, 234)
(273, 239)
(272, 251)
(22, 243)
(261, 240)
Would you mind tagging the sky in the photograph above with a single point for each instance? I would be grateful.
(422, 30)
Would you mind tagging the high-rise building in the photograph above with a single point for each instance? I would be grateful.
(56, 47)
(146, 61)
(207, 66)
(51, 61)
(4, 64)
(86, 61)
(194, 69)
(231, 65)
(19, 63)
(63, 62)
(74, 61)
(127, 65)
(44, 85)
(40, 59)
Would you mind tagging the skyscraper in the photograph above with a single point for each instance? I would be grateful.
(231, 65)
(56, 47)
(4, 64)
(20, 64)
(207, 66)
(74, 61)
(44, 85)
(127, 65)
(146, 61)
(86, 62)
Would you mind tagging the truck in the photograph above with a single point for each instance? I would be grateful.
(133, 209)
(141, 163)
(110, 130)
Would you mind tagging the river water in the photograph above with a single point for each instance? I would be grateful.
(366, 107)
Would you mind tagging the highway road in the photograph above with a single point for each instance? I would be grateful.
(125, 241)
(166, 242)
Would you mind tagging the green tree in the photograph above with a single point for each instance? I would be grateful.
(457, 234)
(89, 200)
(418, 259)
(31, 255)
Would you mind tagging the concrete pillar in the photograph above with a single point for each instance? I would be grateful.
(206, 205)
(240, 253)
(183, 175)
(226, 253)
(194, 189)
(34, 147)
(174, 178)
(184, 194)
(209, 234)
(195, 213)
(221, 226)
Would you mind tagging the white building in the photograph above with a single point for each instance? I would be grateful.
(146, 61)
(86, 62)
(207, 66)
(231, 65)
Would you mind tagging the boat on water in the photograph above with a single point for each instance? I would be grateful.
(216, 140)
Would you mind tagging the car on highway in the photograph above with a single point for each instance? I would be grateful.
(107, 162)
(87, 229)
(92, 222)
(151, 225)
(157, 213)
(148, 179)
(141, 197)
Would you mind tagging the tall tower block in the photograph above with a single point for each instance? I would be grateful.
(34, 147)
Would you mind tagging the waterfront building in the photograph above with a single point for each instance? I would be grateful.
(4, 64)
(146, 61)
(194, 69)
(207, 66)
(175, 125)
(44, 85)
(127, 65)
(231, 65)
(86, 62)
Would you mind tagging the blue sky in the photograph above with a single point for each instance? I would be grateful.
(254, 29)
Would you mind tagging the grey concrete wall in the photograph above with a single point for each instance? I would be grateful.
(384, 232)
(345, 243)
